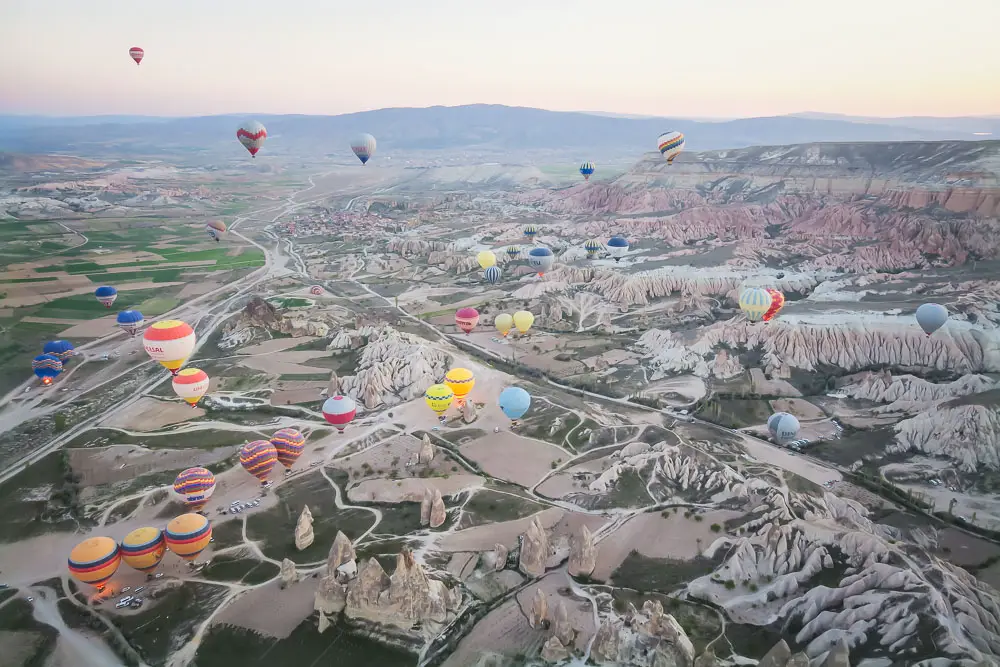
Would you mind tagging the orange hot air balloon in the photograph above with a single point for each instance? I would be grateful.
(777, 303)
(95, 560)
(143, 549)
(188, 535)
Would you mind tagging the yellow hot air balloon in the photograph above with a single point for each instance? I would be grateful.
(438, 398)
(504, 323)
(461, 381)
(755, 302)
(486, 259)
(143, 549)
(523, 320)
(169, 342)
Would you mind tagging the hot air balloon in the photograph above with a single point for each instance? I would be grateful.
(143, 548)
(514, 402)
(617, 247)
(777, 303)
(504, 323)
(755, 301)
(461, 381)
(216, 229)
(492, 275)
(191, 384)
(541, 259)
(670, 144)
(467, 319)
(486, 259)
(783, 427)
(188, 535)
(60, 349)
(587, 168)
(169, 342)
(289, 442)
(523, 321)
(94, 561)
(130, 321)
(316, 290)
(364, 147)
(931, 317)
(252, 135)
(106, 295)
(339, 411)
(530, 232)
(513, 252)
(136, 53)
(438, 398)
(258, 458)
(46, 367)
(592, 247)
(195, 486)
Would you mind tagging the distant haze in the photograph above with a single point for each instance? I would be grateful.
(693, 58)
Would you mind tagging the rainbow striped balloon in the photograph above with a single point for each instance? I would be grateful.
(195, 486)
(143, 548)
(258, 458)
(95, 560)
(188, 535)
(289, 443)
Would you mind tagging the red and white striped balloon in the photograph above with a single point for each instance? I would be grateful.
(136, 54)
(339, 411)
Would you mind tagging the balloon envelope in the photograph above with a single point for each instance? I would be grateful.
(130, 321)
(461, 381)
(143, 548)
(106, 295)
(513, 251)
(931, 317)
(617, 247)
(592, 247)
(195, 486)
(587, 168)
(492, 275)
(439, 398)
(258, 458)
(290, 444)
(191, 384)
(136, 53)
(216, 229)
(188, 535)
(486, 259)
(467, 319)
(523, 320)
(777, 303)
(95, 560)
(60, 349)
(364, 147)
(46, 367)
(252, 135)
(170, 342)
(670, 144)
(530, 231)
(755, 301)
(541, 259)
(514, 402)
(339, 411)
(504, 323)
(783, 426)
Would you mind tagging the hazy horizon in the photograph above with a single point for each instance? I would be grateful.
(724, 60)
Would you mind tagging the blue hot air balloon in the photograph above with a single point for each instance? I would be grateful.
(587, 168)
(492, 274)
(47, 367)
(617, 246)
(60, 349)
(106, 295)
(514, 402)
(130, 321)
(513, 251)
(541, 259)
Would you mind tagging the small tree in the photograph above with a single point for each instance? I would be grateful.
(716, 528)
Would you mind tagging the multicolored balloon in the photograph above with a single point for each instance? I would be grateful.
(339, 411)
(504, 323)
(169, 342)
(492, 275)
(136, 53)
(364, 147)
(467, 319)
(316, 290)
(130, 321)
(252, 135)
(514, 402)
(523, 321)
(541, 259)
(617, 247)
(461, 381)
(513, 252)
(670, 145)
(143, 548)
(94, 561)
(777, 303)
(191, 384)
(195, 486)
(46, 367)
(188, 535)
(587, 168)
(61, 349)
(106, 295)
(258, 458)
(216, 229)
(439, 398)
(530, 232)
(290, 444)
(592, 247)
(931, 317)
(754, 302)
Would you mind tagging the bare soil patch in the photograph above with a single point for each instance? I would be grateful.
(270, 610)
(104, 465)
(508, 456)
(150, 414)
(410, 489)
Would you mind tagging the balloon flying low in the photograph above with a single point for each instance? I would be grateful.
(216, 229)
(541, 259)
(258, 458)
(170, 342)
(130, 321)
(513, 252)
(46, 367)
(94, 561)
(523, 321)
(931, 317)
(592, 247)
(530, 232)
(364, 147)
(617, 247)
(783, 427)
(106, 295)
(514, 402)
(188, 535)
(136, 53)
(60, 349)
(339, 411)
(467, 319)
(290, 443)
(492, 275)
(460, 381)
(777, 303)
(670, 144)
(191, 384)
(755, 302)
(486, 259)
(504, 323)
(316, 290)
(439, 398)
(252, 135)
(195, 486)
(143, 548)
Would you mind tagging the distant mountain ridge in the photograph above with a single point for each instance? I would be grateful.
(480, 127)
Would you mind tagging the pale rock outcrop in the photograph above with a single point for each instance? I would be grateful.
(341, 555)
(426, 504)
(906, 393)
(288, 573)
(646, 638)
(562, 628)
(500, 554)
(582, 553)
(427, 450)
(438, 513)
(323, 623)
(554, 651)
(534, 550)
(967, 434)
(330, 597)
(539, 612)
(468, 412)
(304, 529)
(364, 591)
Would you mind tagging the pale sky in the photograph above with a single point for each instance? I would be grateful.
(729, 58)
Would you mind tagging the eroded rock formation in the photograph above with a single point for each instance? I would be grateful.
(304, 529)
(341, 561)
(646, 638)
(582, 553)
(539, 612)
(534, 550)
(288, 573)
(438, 514)
(427, 450)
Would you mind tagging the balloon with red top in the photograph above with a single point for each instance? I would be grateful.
(339, 411)
(136, 53)
(467, 319)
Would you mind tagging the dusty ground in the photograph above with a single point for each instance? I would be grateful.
(789, 461)
(802, 409)
(504, 630)
(277, 345)
(294, 396)
(285, 363)
(198, 288)
(151, 414)
(410, 489)
(689, 387)
(91, 328)
(104, 465)
(555, 586)
(484, 538)
(771, 387)
(270, 610)
(509, 456)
